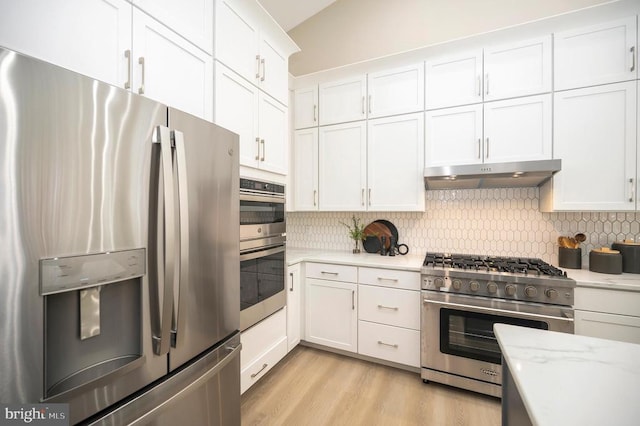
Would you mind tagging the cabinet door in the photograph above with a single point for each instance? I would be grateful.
(395, 163)
(518, 129)
(342, 167)
(342, 101)
(192, 19)
(294, 305)
(517, 69)
(454, 80)
(331, 314)
(454, 136)
(237, 39)
(272, 128)
(306, 107)
(599, 54)
(236, 108)
(86, 36)
(274, 69)
(305, 170)
(608, 326)
(595, 137)
(169, 69)
(396, 91)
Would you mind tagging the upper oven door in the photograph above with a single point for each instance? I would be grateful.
(458, 331)
(261, 216)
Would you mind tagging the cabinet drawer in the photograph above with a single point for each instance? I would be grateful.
(389, 306)
(607, 326)
(390, 343)
(265, 362)
(327, 271)
(608, 301)
(390, 278)
(261, 337)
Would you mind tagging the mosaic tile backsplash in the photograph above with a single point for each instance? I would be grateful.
(501, 222)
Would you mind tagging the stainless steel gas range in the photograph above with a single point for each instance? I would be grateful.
(463, 296)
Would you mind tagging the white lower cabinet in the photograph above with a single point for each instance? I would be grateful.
(263, 345)
(607, 314)
(395, 344)
(294, 301)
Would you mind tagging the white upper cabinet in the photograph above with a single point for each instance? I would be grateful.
(86, 36)
(599, 54)
(192, 19)
(595, 136)
(248, 41)
(395, 164)
(169, 69)
(396, 91)
(305, 170)
(343, 167)
(306, 107)
(517, 69)
(343, 101)
(455, 80)
(272, 128)
(454, 136)
(518, 129)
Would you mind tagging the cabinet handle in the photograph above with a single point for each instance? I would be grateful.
(633, 188)
(486, 77)
(329, 273)
(127, 54)
(353, 300)
(291, 275)
(369, 196)
(479, 146)
(369, 104)
(315, 197)
(487, 149)
(479, 86)
(253, 376)
(394, 345)
(315, 110)
(362, 197)
(141, 89)
(258, 152)
(263, 149)
(633, 58)
(395, 280)
(264, 69)
(393, 308)
(363, 105)
(257, 66)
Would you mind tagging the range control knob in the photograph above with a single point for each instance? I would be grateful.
(474, 285)
(551, 293)
(510, 289)
(456, 284)
(492, 287)
(530, 291)
(438, 282)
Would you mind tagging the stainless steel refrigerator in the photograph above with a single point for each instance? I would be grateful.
(119, 245)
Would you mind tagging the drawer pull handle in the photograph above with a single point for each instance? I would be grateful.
(380, 342)
(328, 273)
(253, 376)
(393, 308)
(395, 280)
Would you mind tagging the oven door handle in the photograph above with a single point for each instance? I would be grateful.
(261, 198)
(262, 253)
(568, 317)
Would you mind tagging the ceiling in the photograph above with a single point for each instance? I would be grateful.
(290, 13)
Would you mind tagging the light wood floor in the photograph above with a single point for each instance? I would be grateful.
(314, 387)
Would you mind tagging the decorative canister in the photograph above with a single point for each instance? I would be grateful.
(570, 257)
(630, 252)
(605, 260)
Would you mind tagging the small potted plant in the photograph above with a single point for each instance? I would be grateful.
(356, 232)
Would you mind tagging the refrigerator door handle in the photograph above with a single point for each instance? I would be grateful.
(177, 140)
(162, 329)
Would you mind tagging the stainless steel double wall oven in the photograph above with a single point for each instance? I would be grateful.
(262, 250)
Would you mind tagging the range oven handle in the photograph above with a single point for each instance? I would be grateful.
(261, 198)
(262, 253)
(566, 316)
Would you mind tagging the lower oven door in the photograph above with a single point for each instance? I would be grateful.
(457, 331)
(262, 281)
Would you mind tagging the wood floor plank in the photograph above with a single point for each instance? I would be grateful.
(314, 387)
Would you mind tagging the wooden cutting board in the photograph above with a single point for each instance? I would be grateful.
(373, 232)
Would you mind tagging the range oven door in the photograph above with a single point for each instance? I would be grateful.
(457, 331)
(262, 282)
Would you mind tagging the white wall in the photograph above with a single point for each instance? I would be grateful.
(351, 31)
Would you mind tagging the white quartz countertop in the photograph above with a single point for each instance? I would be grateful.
(409, 262)
(565, 379)
(586, 278)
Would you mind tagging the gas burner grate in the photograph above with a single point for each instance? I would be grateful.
(515, 265)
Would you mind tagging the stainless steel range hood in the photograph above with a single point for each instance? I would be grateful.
(494, 175)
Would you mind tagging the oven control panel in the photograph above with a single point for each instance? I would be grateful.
(541, 290)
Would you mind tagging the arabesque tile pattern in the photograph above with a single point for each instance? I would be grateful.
(503, 222)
